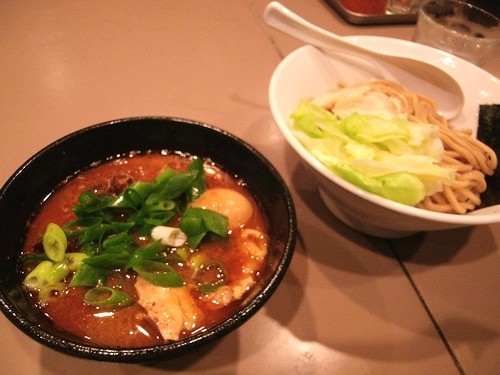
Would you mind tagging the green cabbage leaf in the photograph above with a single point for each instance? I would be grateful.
(385, 155)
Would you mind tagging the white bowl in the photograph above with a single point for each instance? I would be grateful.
(308, 72)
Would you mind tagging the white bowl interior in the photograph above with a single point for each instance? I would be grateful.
(308, 72)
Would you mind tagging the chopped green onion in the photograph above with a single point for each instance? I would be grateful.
(134, 195)
(90, 248)
(93, 233)
(109, 260)
(90, 202)
(198, 186)
(155, 202)
(51, 291)
(215, 222)
(183, 252)
(45, 274)
(149, 252)
(119, 227)
(177, 184)
(123, 241)
(104, 296)
(198, 260)
(158, 217)
(133, 198)
(210, 277)
(87, 275)
(74, 260)
(198, 222)
(84, 221)
(159, 274)
(170, 236)
(55, 242)
(34, 258)
(106, 230)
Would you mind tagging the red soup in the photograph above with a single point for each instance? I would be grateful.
(144, 249)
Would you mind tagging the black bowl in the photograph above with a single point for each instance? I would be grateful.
(22, 194)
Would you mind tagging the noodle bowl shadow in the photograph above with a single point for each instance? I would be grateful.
(21, 196)
(308, 72)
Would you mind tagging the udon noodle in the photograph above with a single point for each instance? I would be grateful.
(471, 158)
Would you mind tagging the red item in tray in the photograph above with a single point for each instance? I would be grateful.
(365, 6)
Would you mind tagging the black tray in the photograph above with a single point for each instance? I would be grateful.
(371, 19)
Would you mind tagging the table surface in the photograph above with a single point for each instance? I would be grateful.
(426, 304)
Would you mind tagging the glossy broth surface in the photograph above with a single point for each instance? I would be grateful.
(133, 326)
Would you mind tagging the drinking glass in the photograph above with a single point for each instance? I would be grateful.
(459, 28)
(403, 6)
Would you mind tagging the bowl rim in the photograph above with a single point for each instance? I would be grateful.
(283, 123)
(173, 349)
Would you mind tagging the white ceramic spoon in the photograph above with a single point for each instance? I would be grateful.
(415, 75)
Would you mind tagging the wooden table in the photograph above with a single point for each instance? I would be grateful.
(350, 304)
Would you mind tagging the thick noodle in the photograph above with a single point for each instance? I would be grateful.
(471, 158)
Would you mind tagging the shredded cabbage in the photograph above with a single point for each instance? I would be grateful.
(383, 154)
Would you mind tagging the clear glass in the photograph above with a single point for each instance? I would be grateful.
(403, 6)
(459, 28)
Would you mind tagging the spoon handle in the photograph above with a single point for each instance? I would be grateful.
(283, 19)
